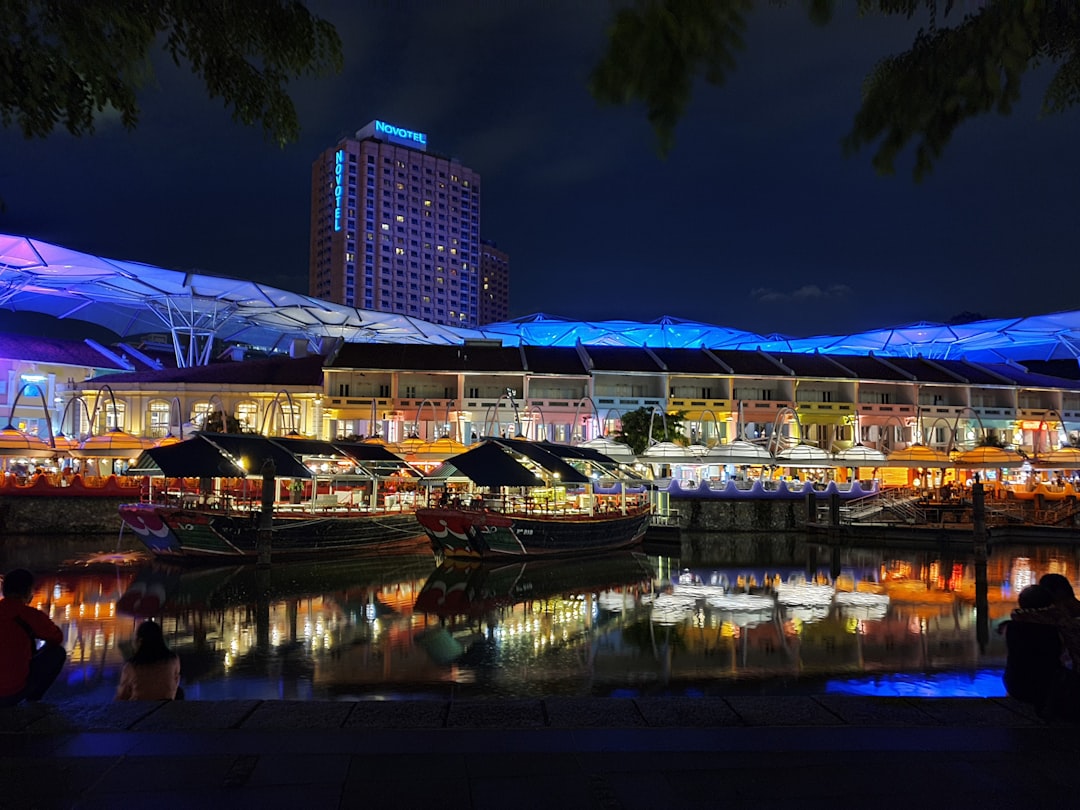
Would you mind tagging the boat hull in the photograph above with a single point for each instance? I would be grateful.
(194, 534)
(487, 535)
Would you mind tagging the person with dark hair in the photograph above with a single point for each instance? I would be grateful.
(1063, 593)
(153, 671)
(26, 669)
(1034, 672)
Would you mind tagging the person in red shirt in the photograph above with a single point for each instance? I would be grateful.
(26, 670)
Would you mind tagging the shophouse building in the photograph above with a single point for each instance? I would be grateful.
(571, 394)
(35, 373)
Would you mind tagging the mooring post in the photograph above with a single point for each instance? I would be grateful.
(266, 515)
(978, 519)
(811, 504)
(834, 509)
(981, 543)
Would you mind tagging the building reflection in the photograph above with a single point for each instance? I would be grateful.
(399, 625)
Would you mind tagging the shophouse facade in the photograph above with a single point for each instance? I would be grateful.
(35, 373)
(570, 394)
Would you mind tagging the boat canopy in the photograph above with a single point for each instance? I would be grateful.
(187, 459)
(219, 455)
(494, 464)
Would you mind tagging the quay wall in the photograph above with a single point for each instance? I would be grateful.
(60, 515)
(762, 515)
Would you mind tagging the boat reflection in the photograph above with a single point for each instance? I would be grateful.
(612, 624)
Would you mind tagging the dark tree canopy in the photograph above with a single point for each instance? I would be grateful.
(657, 48)
(635, 428)
(958, 67)
(63, 62)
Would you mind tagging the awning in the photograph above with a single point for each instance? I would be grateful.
(253, 451)
(193, 458)
(988, 457)
(738, 451)
(545, 459)
(493, 464)
(918, 455)
(218, 456)
(805, 455)
(1064, 458)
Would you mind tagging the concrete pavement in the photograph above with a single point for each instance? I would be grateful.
(557, 753)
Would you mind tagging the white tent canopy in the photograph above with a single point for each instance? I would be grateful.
(133, 298)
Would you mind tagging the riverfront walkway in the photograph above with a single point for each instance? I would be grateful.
(792, 752)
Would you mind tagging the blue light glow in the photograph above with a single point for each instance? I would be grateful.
(398, 134)
(339, 169)
(983, 683)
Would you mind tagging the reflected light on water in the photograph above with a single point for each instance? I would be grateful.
(983, 684)
(901, 624)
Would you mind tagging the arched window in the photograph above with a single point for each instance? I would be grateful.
(247, 412)
(199, 411)
(290, 418)
(158, 416)
(110, 416)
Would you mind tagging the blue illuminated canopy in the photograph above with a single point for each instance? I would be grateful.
(133, 298)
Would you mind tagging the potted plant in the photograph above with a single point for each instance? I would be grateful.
(296, 491)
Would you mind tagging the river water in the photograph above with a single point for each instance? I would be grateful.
(719, 614)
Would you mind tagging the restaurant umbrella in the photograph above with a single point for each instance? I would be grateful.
(1064, 458)
(667, 452)
(439, 449)
(988, 457)
(617, 451)
(64, 443)
(918, 455)
(805, 455)
(13, 442)
(112, 445)
(860, 455)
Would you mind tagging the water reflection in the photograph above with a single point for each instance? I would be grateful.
(619, 624)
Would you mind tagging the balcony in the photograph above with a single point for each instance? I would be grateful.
(886, 409)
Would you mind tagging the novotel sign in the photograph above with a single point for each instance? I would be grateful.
(339, 171)
(395, 134)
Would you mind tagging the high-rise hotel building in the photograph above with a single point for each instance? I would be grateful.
(396, 228)
(494, 283)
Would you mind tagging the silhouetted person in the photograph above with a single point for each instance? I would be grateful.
(26, 669)
(1063, 593)
(1034, 672)
(153, 671)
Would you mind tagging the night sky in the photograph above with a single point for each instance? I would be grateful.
(755, 220)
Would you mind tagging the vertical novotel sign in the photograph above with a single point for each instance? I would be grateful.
(339, 171)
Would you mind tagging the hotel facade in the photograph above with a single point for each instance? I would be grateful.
(396, 228)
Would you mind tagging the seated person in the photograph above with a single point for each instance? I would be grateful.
(26, 670)
(1063, 593)
(153, 671)
(1034, 672)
